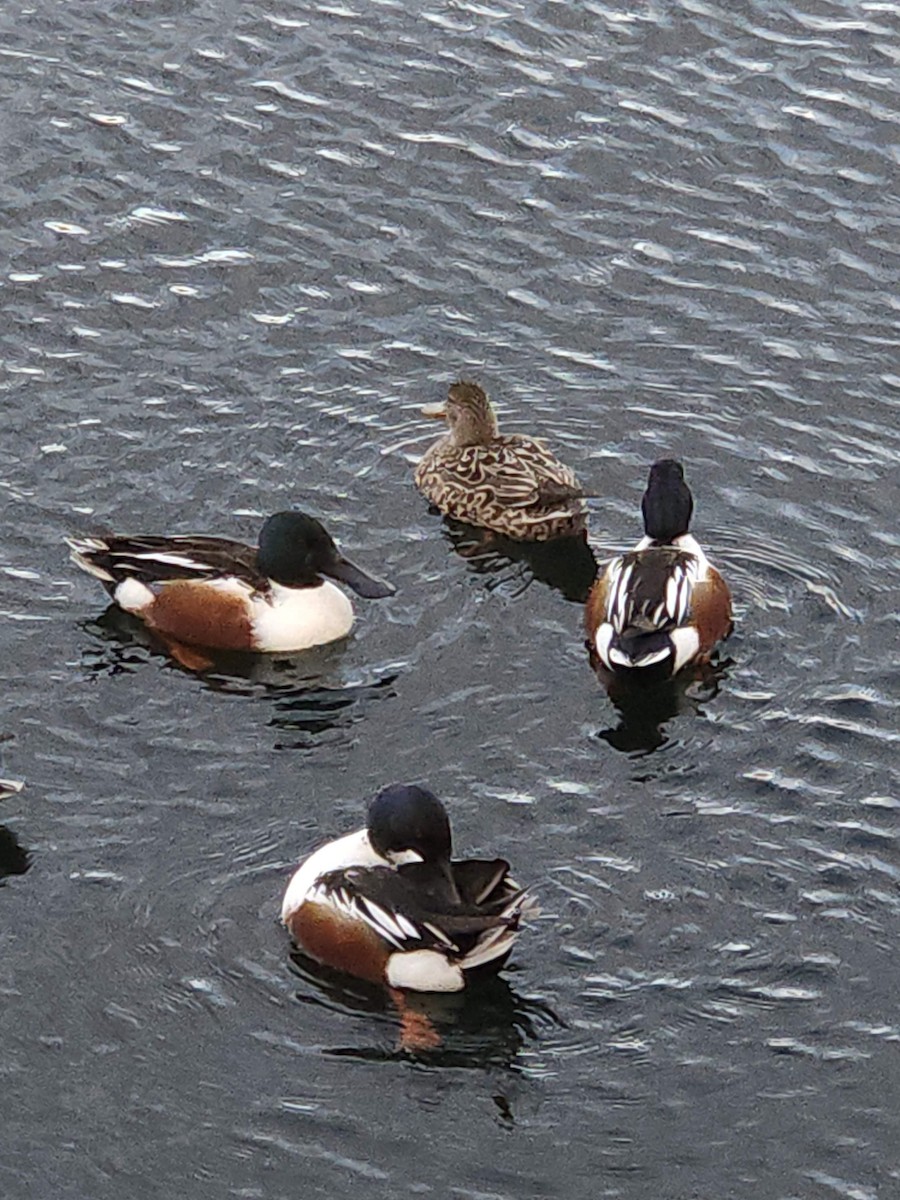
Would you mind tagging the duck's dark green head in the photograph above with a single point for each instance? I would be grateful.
(403, 817)
(295, 550)
(667, 504)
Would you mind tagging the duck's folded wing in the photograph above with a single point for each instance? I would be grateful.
(555, 484)
(487, 900)
(650, 590)
(514, 476)
(481, 880)
(380, 898)
(414, 912)
(153, 559)
(554, 493)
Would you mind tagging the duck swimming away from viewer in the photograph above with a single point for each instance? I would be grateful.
(662, 605)
(226, 595)
(509, 483)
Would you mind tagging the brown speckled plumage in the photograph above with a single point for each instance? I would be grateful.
(512, 484)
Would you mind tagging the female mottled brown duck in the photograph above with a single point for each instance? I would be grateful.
(509, 483)
(661, 605)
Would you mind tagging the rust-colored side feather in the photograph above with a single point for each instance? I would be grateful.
(200, 615)
(339, 942)
(711, 610)
(595, 609)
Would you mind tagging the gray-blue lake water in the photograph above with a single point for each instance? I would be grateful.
(241, 245)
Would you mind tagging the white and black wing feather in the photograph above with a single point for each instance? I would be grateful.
(346, 891)
(650, 590)
(392, 904)
(164, 559)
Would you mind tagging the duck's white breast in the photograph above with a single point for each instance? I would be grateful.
(353, 850)
(297, 618)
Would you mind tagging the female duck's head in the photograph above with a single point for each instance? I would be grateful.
(469, 414)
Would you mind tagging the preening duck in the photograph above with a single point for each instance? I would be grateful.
(387, 904)
(662, 604)
(223, 594)
(509, 483)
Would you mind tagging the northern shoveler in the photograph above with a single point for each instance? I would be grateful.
(662, 604)
(223, 594)
(511, 484)
(387, 905)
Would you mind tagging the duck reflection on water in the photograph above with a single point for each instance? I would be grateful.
(566, 564)
(14, 858)
(645, 707)
(485, 1026)
(309, 692)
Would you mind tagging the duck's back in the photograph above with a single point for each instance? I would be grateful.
(514, 485)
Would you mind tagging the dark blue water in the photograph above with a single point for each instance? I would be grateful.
(241, 246)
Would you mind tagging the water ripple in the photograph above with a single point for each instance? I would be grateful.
(243, 246)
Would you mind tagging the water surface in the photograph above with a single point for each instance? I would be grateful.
(242, 246)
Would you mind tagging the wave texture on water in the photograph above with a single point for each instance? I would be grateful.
(243, 245)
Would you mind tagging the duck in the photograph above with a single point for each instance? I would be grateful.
(511, 484)
(662, 605)
(388, 905)
(223, 594)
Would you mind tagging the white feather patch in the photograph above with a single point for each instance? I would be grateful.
(86, 545)
(352, 850)
(602, 640)
(493, 945)
(618, 578)
(160, 556)
(407, 926)
(133, 596)
(424, 971)
(297, 618)
(673, 605)
(686, 641)
(399, 858)
(439, 934)
(689, 544)
(383, 922)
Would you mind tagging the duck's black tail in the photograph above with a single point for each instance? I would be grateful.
(638, 648)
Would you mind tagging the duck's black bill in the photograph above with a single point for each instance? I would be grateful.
(364, 585)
